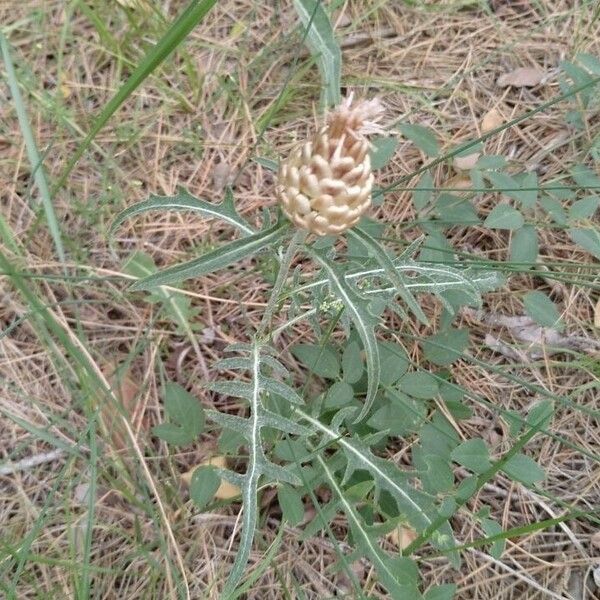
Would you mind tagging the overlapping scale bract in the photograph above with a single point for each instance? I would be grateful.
(325, 185)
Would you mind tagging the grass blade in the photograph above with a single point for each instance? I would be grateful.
(39, 175)
(175, 35)
(323, 46)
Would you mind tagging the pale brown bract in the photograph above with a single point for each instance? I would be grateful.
(325, 185)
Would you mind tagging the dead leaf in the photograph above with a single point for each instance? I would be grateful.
(491, 120)
(221, 176)
(457, 183)
(539, 341)
(226, 490)
(597, 314)
(464, 163)
(126, 391)
(402, 537)
(521, 77)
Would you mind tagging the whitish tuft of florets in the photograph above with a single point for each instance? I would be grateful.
(325, 185)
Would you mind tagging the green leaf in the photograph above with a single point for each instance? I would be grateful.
(504, 216)
(422, 192)
(380, 255)
(267, 163)
(177, 307)
(554, 208)
(363, 321)
(528, 197)
(524, 245)
(523, 469)
(323, 361)
(186, 413)
(399, 576)
(590, 62)
(217, 259)
(492, 528)
(258, 465)
(541, 414)
(291, 504)
(382, 150)
(340, 394)
(204, 485)
(399, 414)
(542, 310)
(472, 454)
(173, 38)
(588, 239)
(445, 591)
(419, 385)
(434, 471)
(422, 137)
(323, 46)
(184, 201)
(436, 249)
(385, 473)
(584, 209)
(394, 362)
(352, 363)
(446, 347)
(172, 434)
(452, 209)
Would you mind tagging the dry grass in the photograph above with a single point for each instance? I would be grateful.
(197, 123)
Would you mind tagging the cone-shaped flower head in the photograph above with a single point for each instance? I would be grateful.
(325, 184)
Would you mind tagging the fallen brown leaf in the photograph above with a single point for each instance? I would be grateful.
(126, 390)
(521, 77)
(402, 537)
(464, 163)
(457, 183)
(491, 120)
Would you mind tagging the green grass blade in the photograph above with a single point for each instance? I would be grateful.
(215, 260)
(323, 46)
(175, 35)
(39, 175)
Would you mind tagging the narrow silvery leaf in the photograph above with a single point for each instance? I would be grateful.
(391, 271)
(184, 201)
(362, 320)
(215, 260)
(321, 40)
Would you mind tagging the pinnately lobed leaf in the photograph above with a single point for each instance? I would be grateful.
(184, 201)
(258, 464)
(217, 259)
(363, 321)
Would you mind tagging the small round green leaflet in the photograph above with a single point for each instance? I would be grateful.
(291, 504)
(542, 310)
(204, 485)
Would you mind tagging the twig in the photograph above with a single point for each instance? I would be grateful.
(32, 461)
